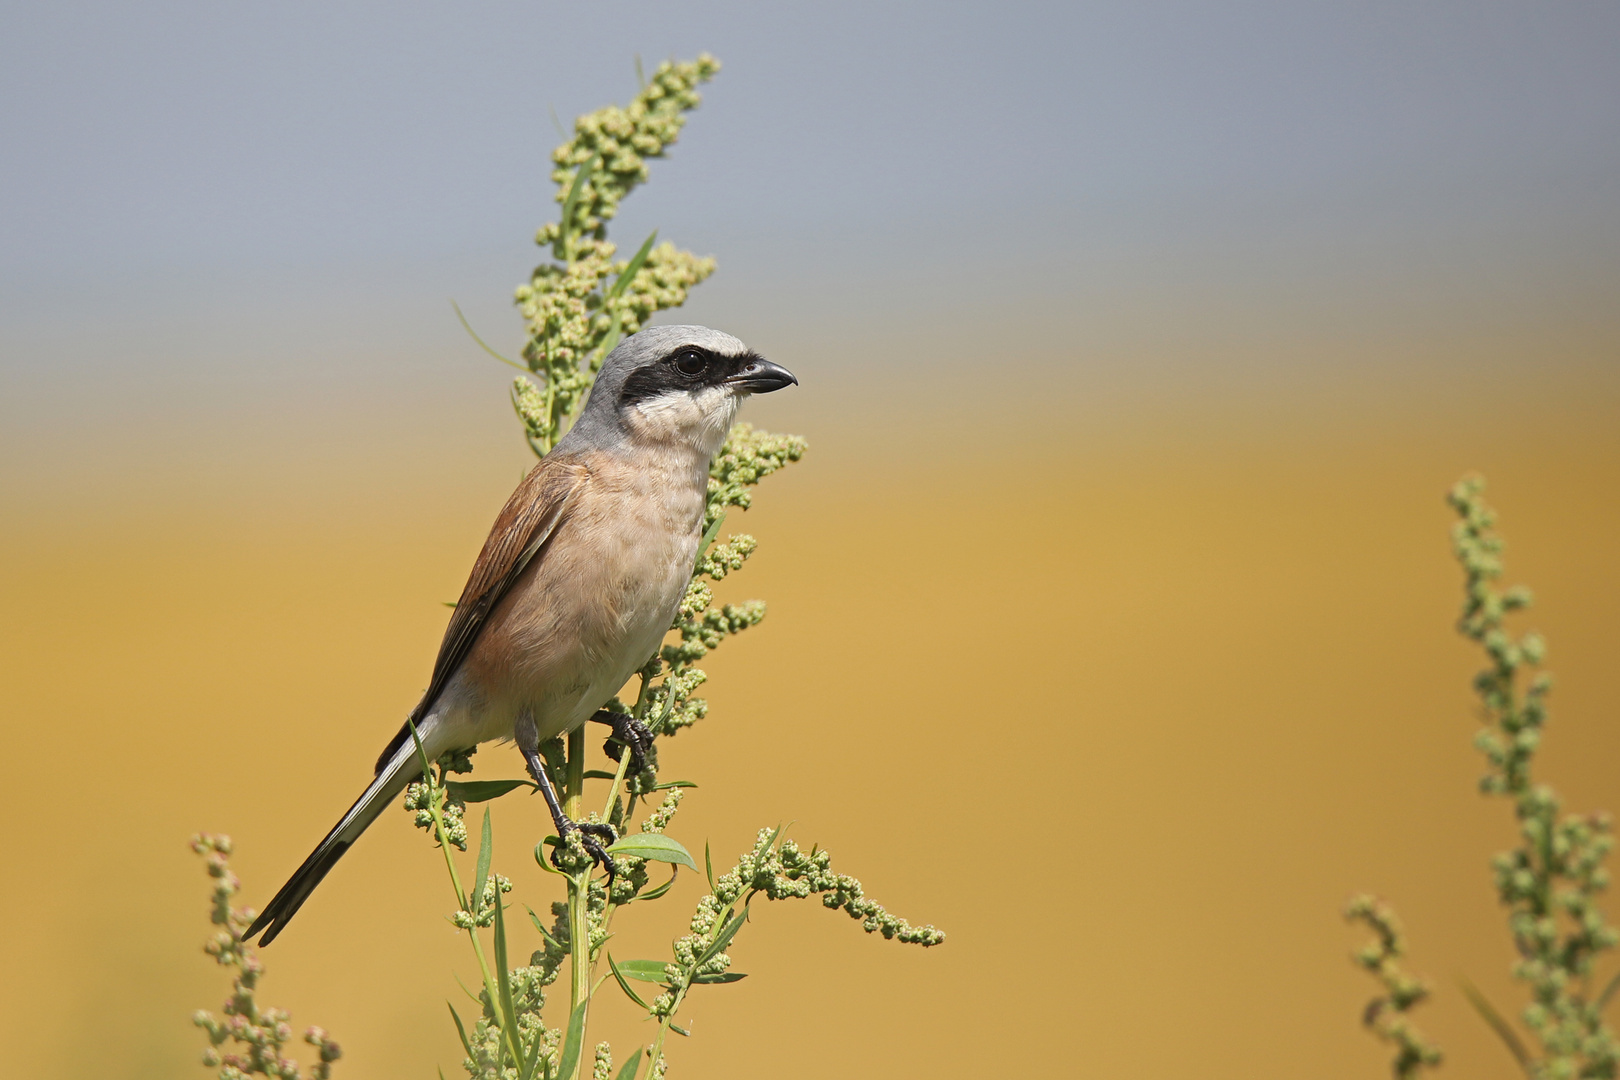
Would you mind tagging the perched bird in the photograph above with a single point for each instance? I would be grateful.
(579, 579)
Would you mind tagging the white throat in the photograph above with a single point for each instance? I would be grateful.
(697, 420)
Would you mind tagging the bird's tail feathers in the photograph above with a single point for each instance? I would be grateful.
(396, 772)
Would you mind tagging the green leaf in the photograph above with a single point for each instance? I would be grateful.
(535, 1056)
(709, 535)
(571, 1044)
(540, 855)
(708, 866)
(618, 977)
(460, 1030)
(674, 783)
(655, 847)
(1497, 1023)
(654, 894)
(725, 977)
(544, 933)
(441, 1070)
(635, 264)
(643, 970)
(465, 325)
(657, 723)
(486, 850)
(628, 1070)
(472, 997)
(611, 338)
(484, 790)
(508, 1009)
(598, 774)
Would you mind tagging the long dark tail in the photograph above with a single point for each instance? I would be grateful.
(395, 773)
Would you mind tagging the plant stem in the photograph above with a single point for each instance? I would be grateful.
(613, 792)
(658, 1044)
(449, 863)
(579, 925)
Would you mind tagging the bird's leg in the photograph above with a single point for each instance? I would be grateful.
(529, 744)
(627, 731)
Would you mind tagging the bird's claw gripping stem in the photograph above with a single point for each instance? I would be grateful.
(627, 732)
(588, 833)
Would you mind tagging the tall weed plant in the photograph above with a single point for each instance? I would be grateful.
(539, 976)
(1549, 882)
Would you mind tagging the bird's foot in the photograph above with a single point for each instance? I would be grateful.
(589, 832)
(627, 732)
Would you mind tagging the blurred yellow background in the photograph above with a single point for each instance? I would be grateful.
(1110, 613)
(1128, 711)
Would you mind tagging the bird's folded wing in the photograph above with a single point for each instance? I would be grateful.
(529, 519)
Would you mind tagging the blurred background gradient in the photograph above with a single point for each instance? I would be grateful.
(1110, 612)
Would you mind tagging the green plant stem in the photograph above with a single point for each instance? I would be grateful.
(613, 792)
(579, 885)
(658, 1043)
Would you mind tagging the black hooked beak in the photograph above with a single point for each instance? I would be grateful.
(759, 376)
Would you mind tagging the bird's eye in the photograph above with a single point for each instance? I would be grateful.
(691, 363)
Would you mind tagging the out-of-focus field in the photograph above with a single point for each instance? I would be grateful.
(1128, 709)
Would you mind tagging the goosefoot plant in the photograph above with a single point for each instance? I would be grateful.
(577, 306)
(1549, 883)
(257, 1034)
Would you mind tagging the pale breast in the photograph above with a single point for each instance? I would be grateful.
(594, 607)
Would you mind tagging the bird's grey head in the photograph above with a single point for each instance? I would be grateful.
(673, 384)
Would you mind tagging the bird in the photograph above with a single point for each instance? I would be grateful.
(578, 582)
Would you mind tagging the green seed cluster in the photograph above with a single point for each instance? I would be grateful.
(579, 306)
(659, 819)
(575, 316)
(421, 797)
(703, 627)
(726, 558)
(809, 874)
(485, 915)
(488, 1060)
(747, 457)
(618, 141)
(1552, 881)
(1386, 1014)
(777, 871)
(786, 872)
(258, 1035)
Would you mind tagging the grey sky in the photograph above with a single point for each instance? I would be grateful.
(180, 135)
(191, 187)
